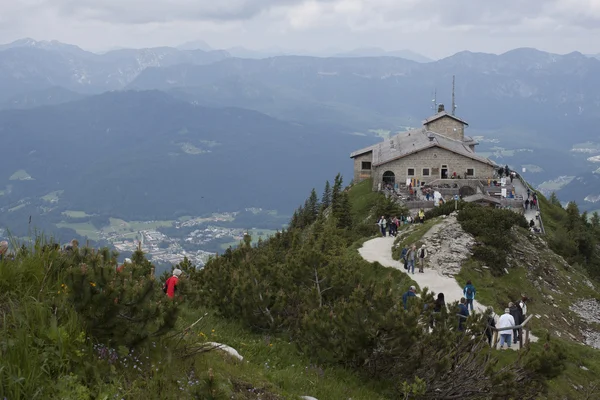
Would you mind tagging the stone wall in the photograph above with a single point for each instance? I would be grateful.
(448, 127)
(359, 173)
(432, 158)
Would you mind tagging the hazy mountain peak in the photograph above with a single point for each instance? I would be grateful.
(195, 45)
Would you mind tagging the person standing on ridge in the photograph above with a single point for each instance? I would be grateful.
(491, 323)
(405, 296)
(523, 305)
(171, 284)
(505, 321)
(469, 293)
(422, 255)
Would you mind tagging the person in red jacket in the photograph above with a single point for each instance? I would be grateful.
(171, 283)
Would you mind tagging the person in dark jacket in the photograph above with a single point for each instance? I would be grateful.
(407, 295)
(464, 311)
(491, 323)
(517, 314)
(438, 305)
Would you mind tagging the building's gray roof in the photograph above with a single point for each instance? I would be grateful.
(443, 114)
(482, 197)
(413, 141)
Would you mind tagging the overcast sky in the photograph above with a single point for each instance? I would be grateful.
(435, 28)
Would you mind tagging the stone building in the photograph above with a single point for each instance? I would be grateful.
(437, 150)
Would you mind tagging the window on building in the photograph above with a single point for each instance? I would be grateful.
(425, 171)
(470, 172)
(366, 165)
(411, 172)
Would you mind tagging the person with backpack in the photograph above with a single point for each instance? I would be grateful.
(382, 225)
(171, 284)
(463, 313)
(438, 306)
(404, 257)
(422, 255)
(469, 293)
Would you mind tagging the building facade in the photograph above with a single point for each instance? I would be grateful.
(438, 150)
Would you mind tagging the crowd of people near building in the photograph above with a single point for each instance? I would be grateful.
(389, 225)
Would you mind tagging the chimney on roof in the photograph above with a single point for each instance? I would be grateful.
(440, 108)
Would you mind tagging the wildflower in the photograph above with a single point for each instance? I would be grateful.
(270, 344)
(93, 284)
(59, 292)
(213, 331)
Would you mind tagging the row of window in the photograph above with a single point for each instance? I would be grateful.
(366, 165)
(426, 172)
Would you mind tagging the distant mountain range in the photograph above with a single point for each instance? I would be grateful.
(529, 106)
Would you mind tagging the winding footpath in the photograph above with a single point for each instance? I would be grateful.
(380, 250)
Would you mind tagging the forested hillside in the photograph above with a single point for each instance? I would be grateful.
(307, 314)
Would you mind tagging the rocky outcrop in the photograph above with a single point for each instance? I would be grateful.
(448, 246)
(589, 311)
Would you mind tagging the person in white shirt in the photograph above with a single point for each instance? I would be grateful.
(505, 321)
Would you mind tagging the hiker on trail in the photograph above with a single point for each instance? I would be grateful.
(512, 176)
(505, 321)
(393, 226)
(405, 296)
(528, 192)
(531, 223)
(3, 249)
(526, 204)
(491, 323)
(422, 215)
(404, 257)
(500, 172)
(422, 254)
(517, 314)
(506, 171)
(523, 305)
(171, 284)
(464, 311)
(469, 293)
(382, 224)
(438, 305)
(411, 256)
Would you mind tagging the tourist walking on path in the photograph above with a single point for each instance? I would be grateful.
(404, 257)
(469, 293)
(411, 256)
(517, 314)
(505, 321)
(422, 255)
(405, 296)
(526, 204)
(463, 313)
(382, 225)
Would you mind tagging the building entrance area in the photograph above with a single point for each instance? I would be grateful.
(444, 174)
(389, 178)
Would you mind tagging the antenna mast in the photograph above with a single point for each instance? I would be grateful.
(453, 102)
(434, 107)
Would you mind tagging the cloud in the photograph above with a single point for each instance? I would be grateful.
(152, 11)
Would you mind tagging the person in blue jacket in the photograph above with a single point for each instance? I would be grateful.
(405, 296)
(469, 293)
(464, 311)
